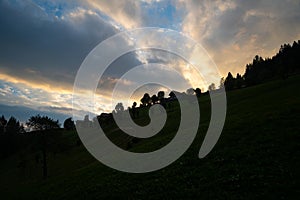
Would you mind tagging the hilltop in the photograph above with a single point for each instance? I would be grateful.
(257, 156)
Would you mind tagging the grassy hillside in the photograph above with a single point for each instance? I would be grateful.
(257, 156)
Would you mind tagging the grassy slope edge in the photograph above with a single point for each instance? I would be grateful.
(256, 156)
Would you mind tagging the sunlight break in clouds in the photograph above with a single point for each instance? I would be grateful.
(234, 31)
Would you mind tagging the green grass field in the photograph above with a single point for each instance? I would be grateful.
(257, 156)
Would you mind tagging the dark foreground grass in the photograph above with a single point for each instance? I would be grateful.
(257, 157)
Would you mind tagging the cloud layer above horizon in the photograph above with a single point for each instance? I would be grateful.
(43, 43)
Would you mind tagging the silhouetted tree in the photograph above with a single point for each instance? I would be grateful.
(69, 124)
(190, 91)
(198, 92)
(212, 87)
(239, 81)
(10, 137)
(22, 129)
(134, 105)
(119, 108)
(161, 95)
(134, 110)
(12, 126)
(253, 73)
(146, 100)
(42, 124)
(222, 82)
(172, 95)
(281, 65)
(229, 82)
(154, 99)
(3, 123)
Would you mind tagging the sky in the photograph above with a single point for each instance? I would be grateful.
(43, 43)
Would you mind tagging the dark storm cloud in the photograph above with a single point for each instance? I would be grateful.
(39, 46)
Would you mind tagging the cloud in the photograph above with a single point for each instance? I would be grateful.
(126, 13)
(132, 14)
(43, 43)
(20, 93)
(43, 53)
(44, 47)
(233, 32)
